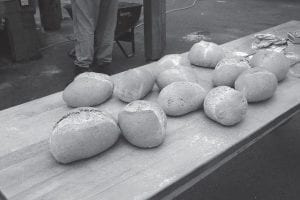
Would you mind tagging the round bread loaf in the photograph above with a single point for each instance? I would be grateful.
(273, 61)
(227, 71)
(205, 54)
(88, 89)
(174, 75)
(180, 98)
(82, 133)
(257, 84)
(133, 84)
(225, 105)
(143, 124)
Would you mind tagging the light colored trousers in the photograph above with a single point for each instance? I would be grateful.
(94, 27)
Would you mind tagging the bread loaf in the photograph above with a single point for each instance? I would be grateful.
(82, 133)
(174, 75)
(171, 61)
(133, 84)
(227, 71)
(205, 54)
(143, 124)
(180, 98)
(257, 84)
(273, 61)
(225, 105)
(88, 89)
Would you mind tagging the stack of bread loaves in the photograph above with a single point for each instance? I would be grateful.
(260, 82)
(85, 132)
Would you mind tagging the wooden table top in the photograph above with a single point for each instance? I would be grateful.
(193, 148)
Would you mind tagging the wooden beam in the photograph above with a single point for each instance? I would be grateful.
(154, 28)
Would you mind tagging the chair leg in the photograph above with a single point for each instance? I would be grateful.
(132, 41)
(123, 50)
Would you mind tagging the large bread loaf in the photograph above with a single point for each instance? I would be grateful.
(88, 89)
(143, 124)
(257, 84)
(225, 105)
(205, 54)
(133, 84)
(274, 62)
(82, 133)
(170, 61)
(180, 98)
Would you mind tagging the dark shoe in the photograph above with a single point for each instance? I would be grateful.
(80, 70)
(103, 64)
(102, 68)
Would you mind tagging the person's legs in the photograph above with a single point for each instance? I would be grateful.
(85, 16)
(105, 29)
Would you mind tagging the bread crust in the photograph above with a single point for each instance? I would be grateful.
(82, 133)
(274, 62)
(180, 98)
(88, 89)
(174, 75)
(225, 105)
(205, 54)
(133, 85)
(257, 84)
(143, 124)
(228, 70)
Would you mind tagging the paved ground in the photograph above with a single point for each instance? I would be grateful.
(268, 170)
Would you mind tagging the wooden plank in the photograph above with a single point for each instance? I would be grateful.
(154, 28)
(27, 170)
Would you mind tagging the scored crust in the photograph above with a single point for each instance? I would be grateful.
(95, 76)
(82, 115)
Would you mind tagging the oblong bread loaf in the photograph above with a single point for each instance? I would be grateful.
(133, 85)
(88, 89)
(175, 75)
(170, 61)
(180, 98)
(82, 133)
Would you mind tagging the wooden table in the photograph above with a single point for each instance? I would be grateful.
(194, 147)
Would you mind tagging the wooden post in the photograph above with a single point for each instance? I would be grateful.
(51, 14)
(154, 28)
(21, 29)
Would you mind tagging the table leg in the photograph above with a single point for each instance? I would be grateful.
(154, 28)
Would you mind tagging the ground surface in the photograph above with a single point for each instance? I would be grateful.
(269, 170)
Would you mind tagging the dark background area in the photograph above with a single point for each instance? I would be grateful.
(269, 170)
